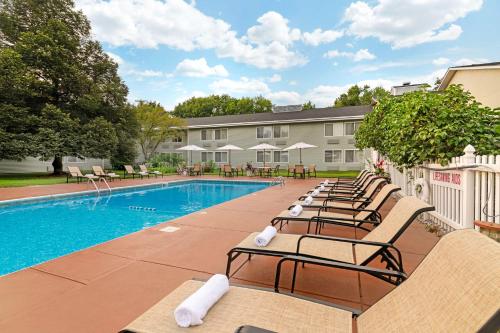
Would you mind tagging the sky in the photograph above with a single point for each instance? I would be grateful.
(285, 50)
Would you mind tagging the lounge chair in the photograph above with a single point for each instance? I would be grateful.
(331, 190)
(129, 170)
(144, 170)
(75, 172)
(349, 182)
(355, 217)
(340, 202)
(336, 251)
(454, 289)
(99, 172)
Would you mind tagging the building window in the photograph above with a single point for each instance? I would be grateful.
(264, 132)
(220, 134)
(333, 156)
(260, 156)
(177, 139)
(281, 131)
(334, 129)
(351, 128)
(353, 155)
(206, 135)
(221, 157)
(280, 157)
(207, 156)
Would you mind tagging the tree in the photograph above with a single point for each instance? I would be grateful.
(58, 83)
(219, 105)
(360, 96)
(422, 126)
(156, 125)
(309, 105)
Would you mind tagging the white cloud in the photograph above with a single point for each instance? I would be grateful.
(292, 83)
(440, 61)
(377, 67)
(128, 69)
(285, 97)
(275, 78)
(359, 55)
(469, 61)
(199, 68)
(319, 36)
(408, 23)
(242, 87)
(179, 25)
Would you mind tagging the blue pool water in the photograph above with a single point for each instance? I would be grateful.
(31, 233)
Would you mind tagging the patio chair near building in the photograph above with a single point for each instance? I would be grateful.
(99, 172)
(454, 289)
(299, 171)
(195, 170)
(227, 170)
(276, 170)
(290, 171)
(350, 217)
(311, 171)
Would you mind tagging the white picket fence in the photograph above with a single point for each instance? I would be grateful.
(466, 190)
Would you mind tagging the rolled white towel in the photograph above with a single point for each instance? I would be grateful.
(157, 172)
(265, 236)
(314, 193)
(308, 200)
(194, 308)
(322, 187)
(325, 182)
(144, 173)
(112, 174)
(295, 211)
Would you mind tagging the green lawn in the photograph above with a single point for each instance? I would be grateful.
(18, 180)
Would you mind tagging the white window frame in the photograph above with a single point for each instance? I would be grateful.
(356, 126)
(333, 155)
(333, 128)
(257, 132)
(267, 151)
(281, 137)
(221, 152)
(280, 152)
(211, 135)
(356, 151)
(220, 129)
(210, 159)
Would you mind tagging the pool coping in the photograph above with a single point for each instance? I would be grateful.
(47, 197)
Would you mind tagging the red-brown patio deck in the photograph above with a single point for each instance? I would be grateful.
(103, 288)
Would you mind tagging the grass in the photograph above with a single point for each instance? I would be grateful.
(30, 179)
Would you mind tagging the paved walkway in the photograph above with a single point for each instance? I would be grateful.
(103, 288)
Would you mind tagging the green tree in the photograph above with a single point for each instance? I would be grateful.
(422, 126)
(220, 105)
(60, 83)
(356, 95)
(308, 105)
(156, 125)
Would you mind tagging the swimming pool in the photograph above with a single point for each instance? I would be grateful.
(34, 232)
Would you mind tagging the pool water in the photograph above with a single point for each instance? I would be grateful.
(31, 233)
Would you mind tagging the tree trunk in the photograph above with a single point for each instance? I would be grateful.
(57, 164)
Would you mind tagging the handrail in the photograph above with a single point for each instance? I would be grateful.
(105, 182)
(93, 183)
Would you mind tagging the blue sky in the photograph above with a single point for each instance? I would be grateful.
(288, 51)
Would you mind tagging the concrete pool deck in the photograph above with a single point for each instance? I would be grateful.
(103, 288)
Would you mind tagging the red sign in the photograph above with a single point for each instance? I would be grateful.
(446, 177)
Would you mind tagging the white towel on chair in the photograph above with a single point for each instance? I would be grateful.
(295, 211)
(265, 236)
(325, 182)
(112, 174)
(314, 193)
(194, 308)
(322, 187)
(308, 200)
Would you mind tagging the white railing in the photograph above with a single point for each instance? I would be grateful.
(466, 190)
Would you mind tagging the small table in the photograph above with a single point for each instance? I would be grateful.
(263, 170)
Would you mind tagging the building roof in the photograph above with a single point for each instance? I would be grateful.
(452, 70)
(305, 116)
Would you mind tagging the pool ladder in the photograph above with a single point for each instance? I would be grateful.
(101, 179)
(278, 181)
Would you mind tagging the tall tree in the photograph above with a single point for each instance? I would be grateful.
(356, 95)
(308, 105)
(219, 105)
(156, 125)
(60, 83)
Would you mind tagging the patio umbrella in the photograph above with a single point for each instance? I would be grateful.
(300, 146)
(191, 148)
(229, 148)
(264, 147)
